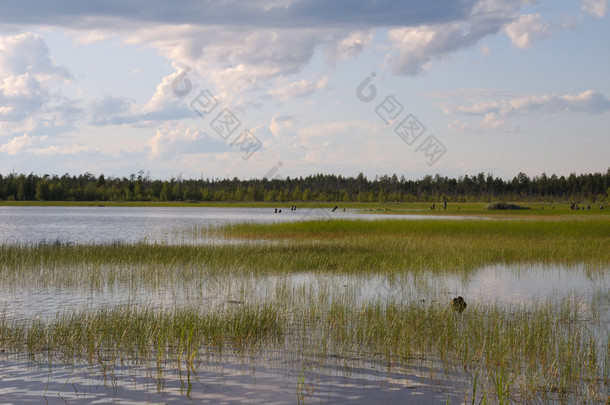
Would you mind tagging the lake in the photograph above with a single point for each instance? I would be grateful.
(103, 225)
(269, 377)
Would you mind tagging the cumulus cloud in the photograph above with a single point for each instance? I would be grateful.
(28, 53)
(231, 59)
(496, 113)
(235, 47)
(71, 149)
(27, 75)
(597, 8)
(587, 101)
(164, 105)
(19, 143)
(301, 88)
(112, 111)
(282, 125)
(340, 127)
(349, 46)
(237, 44)
(170, 142)
(414, 48)
(526, 29)
(20, 95)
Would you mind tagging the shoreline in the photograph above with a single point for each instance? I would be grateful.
(535, 209)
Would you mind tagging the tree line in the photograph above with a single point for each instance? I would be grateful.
(592, 187)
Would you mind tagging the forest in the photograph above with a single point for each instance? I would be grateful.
(592, 187)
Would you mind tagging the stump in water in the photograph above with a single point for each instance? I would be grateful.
(458, 304)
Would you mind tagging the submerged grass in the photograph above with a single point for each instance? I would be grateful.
(540, 351)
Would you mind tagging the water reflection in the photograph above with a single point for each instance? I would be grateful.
(498, 284)
(104, 225)
(226, 379)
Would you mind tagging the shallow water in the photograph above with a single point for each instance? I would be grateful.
(103, 225)
(233, 379)
(490, 285)
(230, 380)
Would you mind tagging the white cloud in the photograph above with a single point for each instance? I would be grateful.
(166, 142)
(349, 46)
(28, 76)
(112, 111)
(301, 88)
(282, 125)
(496, 113)
(19, 143)
(597, 8)
(164, 105)
(173, 141)
(164, 96)
(414, 48)
(230, 60)
(20, 86)
(332, 129)
(526, 29)
(72, 149)
(28, 53)
(236, 57)
(22, 94)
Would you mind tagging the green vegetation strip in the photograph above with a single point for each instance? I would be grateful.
(351, 247)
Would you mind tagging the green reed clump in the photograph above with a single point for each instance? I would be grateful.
(544, 350)
(522, 351)
(141, 334)
(386, 246)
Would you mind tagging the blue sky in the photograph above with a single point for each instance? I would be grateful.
(459, 87)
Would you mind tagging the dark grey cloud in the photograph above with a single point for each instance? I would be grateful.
(248, 13)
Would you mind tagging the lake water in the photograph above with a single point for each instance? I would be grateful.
(102, 225)
(233, 379)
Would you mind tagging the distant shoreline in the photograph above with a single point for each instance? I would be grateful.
(545, 209)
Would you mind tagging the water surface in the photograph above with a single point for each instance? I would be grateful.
(103, 225)
(270, 378)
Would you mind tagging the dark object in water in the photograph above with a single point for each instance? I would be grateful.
(335, 209)
(458, 304)
(506, 206)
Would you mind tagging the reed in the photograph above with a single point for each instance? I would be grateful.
(542, 350)
(350, 247)
(554, 350)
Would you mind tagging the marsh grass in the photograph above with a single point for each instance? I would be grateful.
(550, 350)
(540, 351)
(136, 334)
(342, 246)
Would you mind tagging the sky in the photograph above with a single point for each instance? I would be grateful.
(278, 88)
